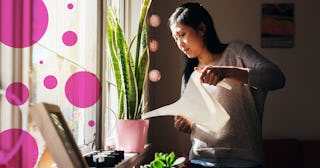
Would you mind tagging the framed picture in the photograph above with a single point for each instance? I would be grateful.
(277, 25)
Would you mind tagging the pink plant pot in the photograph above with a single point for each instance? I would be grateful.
(131, 135)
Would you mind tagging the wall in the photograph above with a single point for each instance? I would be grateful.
(291, 112)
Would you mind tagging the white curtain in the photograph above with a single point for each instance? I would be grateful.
(14, 67)
(13, 62)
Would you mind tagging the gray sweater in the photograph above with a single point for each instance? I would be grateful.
(239, 143)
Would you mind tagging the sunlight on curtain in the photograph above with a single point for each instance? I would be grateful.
(68, 46)
(14, 65)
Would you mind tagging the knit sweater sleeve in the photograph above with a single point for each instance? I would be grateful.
(263, 74)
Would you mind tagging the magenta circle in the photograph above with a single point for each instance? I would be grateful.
(18, 148)
(41, 61)
(17, 93)
(70, 6)
(83, 89)
(91, 123)
(69, 38)
(22, 22)
(50, 82)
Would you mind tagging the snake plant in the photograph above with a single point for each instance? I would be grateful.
(130, 70)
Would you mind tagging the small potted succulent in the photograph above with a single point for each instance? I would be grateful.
(164, 160)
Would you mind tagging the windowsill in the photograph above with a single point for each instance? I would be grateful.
(134, 159)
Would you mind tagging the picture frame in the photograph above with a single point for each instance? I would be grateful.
(277, 25)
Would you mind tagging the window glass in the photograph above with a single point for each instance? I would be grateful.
(70, 45)
(111, 91)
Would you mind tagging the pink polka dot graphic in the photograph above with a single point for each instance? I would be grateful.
(91, 123)
(50, 82)
(69, 38)
(17, 93)
(41, 61)
(155, 20)
(83, 89)
(18, 149)
(22, 22)
(154, 75)
(70, 6)
(153, 45)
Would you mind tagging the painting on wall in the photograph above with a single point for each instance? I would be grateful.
(277, 25)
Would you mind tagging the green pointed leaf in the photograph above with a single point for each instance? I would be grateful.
(121, 115)
(171, 158)
(130, 56)
(162, 156)
(157, 164)
(114, 56)
(142, 77)
(167, 161)
(157, 156)
(127, 73)
(144, 41)
(143, 14)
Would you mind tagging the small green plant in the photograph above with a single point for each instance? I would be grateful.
(164, 160)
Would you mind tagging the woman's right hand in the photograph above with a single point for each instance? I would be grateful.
(214, 74)
(182, 124)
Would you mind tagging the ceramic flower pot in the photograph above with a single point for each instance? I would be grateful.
(131, 135)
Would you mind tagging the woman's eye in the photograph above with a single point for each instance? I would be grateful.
(178, 37)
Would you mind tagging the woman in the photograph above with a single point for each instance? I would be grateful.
(239, 143)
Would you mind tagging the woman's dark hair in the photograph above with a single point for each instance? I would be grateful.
(193, 15)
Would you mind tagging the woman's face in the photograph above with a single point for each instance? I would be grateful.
(189, 41)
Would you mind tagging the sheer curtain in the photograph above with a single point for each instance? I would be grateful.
(14, 61)
(14, 65)
(55, 56)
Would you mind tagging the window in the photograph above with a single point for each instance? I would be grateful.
(55, 59)
(70, 45)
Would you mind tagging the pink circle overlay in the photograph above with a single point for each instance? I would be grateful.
(91, 123)
(153, 45)
(154, 20)
(50, 82)
(70, 6)
(83, 89)
(17, 93)
(22, 22)
(18, 149)
(69, 38)
(154, 75)
(41, 61)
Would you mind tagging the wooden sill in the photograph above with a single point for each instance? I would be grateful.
(135, 159)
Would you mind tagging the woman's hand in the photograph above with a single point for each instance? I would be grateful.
(182, 124)
(214, 74)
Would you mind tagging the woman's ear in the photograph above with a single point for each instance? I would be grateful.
(202, 29)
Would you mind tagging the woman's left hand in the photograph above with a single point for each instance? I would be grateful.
(182, 124)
